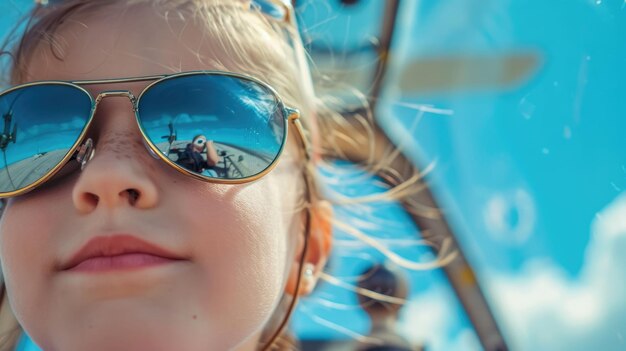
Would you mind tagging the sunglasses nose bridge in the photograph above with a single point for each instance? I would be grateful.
(118, 93)
(133, 100)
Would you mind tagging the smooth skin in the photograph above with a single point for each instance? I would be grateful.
(240, 243)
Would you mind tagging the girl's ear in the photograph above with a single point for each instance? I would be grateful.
(320, 242)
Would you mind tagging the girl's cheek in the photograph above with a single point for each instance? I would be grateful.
(27, 228)
(27, 258)
(22, 231)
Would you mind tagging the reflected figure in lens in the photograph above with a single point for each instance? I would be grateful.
(384, 315)
(6, 138)
(193, 160)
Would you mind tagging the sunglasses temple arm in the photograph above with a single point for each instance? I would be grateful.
(294, 117)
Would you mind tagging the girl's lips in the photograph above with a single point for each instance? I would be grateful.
(120, 262)
(120, 251)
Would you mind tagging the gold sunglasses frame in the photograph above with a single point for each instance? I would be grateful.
(291, 116)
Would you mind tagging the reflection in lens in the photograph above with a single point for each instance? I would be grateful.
(40, 125)
(242, 118)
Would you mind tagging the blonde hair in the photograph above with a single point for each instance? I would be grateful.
(281, 62)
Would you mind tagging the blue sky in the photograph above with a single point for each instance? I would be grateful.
(530, 170)
(531, 173)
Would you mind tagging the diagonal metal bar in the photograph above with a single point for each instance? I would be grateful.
(458, 272)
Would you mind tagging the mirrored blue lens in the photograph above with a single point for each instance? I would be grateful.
(39, 125)
(241, 120)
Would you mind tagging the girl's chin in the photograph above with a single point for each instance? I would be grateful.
(136, 336)
(140, 325)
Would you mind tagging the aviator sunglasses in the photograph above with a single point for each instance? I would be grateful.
(46, 124)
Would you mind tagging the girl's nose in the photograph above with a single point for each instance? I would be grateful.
(118, 174)
(115, 178)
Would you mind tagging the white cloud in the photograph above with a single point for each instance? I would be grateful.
(75, 125)
(543, 308)
(180, 119)
(431, 320)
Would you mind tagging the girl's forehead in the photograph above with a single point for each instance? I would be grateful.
(126, 44)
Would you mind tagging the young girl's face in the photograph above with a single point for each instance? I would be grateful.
(236, 243)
